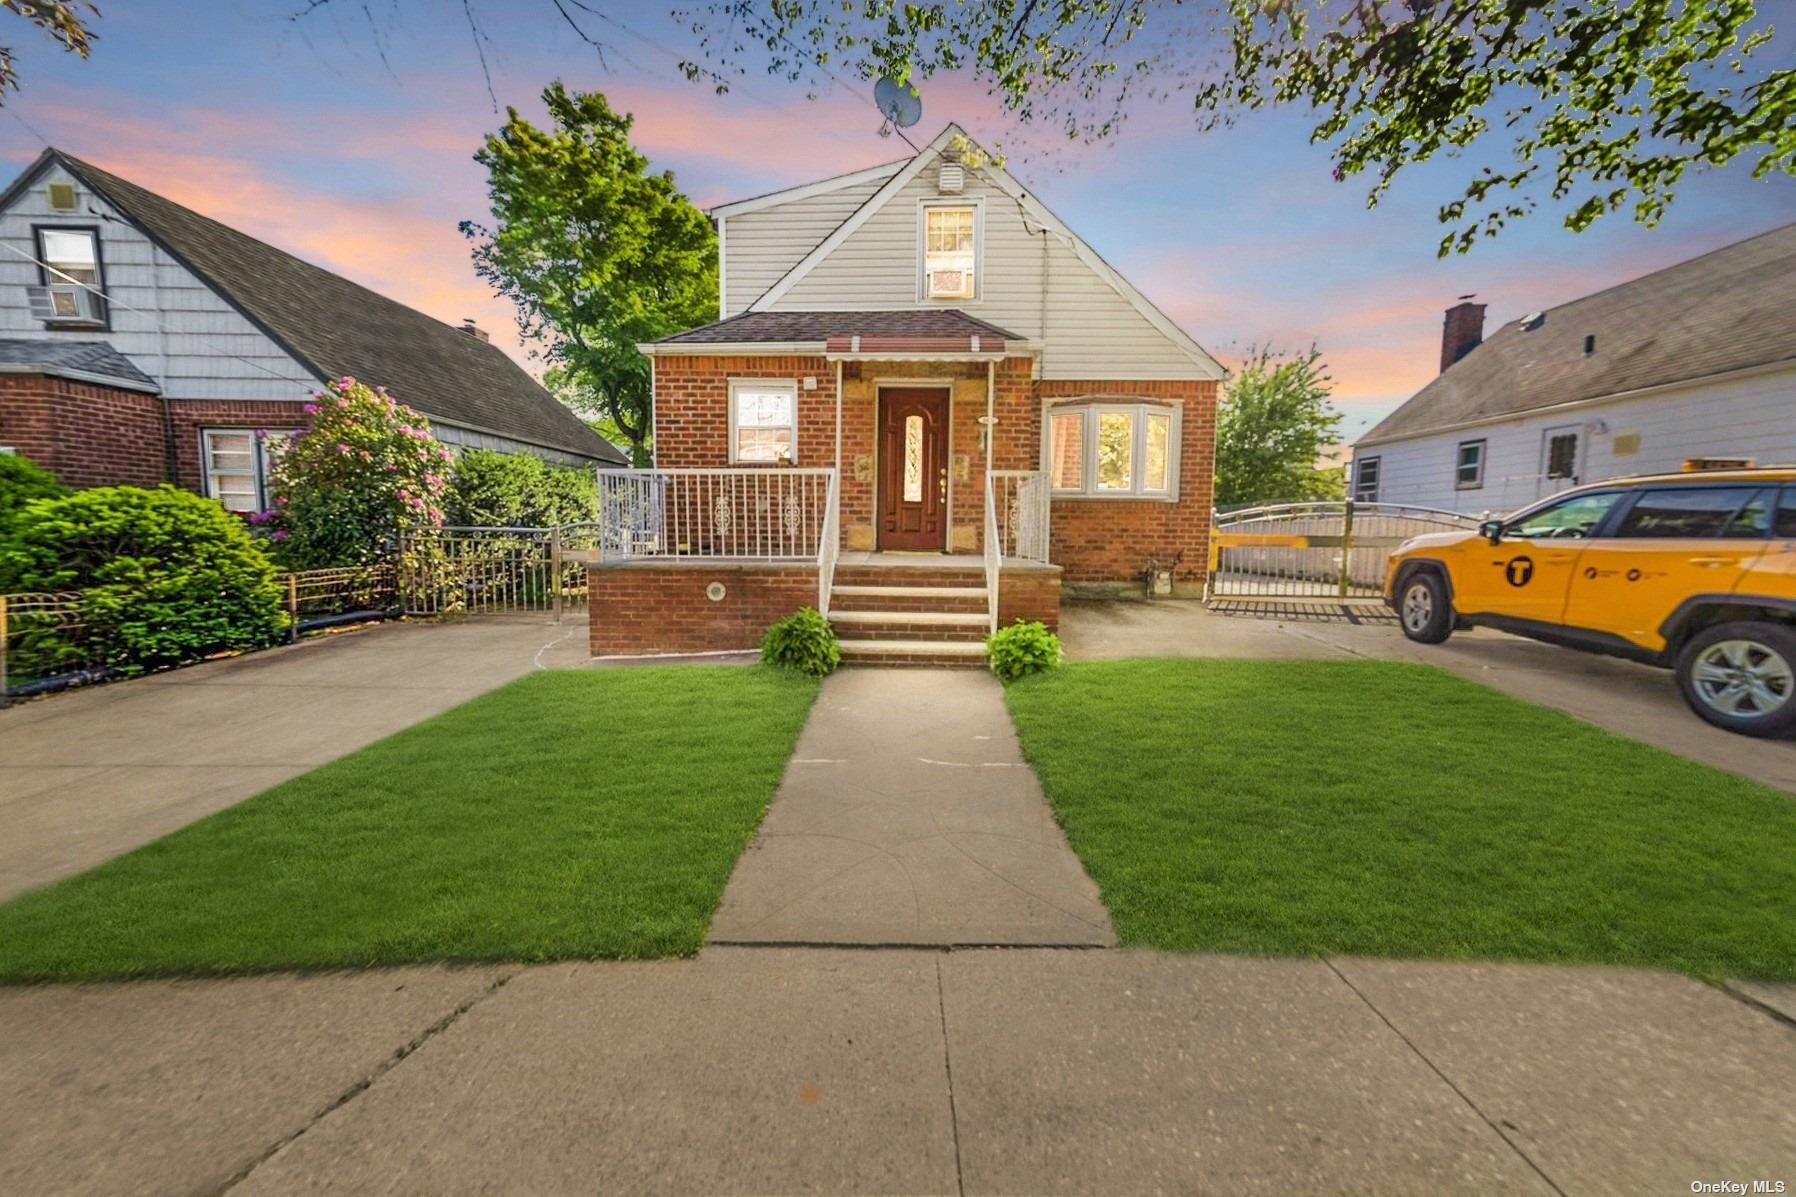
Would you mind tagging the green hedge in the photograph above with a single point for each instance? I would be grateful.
(166, 577)
(22, 480)
(515, 490)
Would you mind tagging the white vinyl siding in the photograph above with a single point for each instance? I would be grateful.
(761, 246)
(1751, 417)
(1033, 285)
(181, 333)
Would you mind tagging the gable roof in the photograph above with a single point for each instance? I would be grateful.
(1730, 310)
(1034, 207)
(82, 361)
(334, 327)
(818, 327)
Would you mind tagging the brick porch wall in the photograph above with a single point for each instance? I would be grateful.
(662, 607)
(1029, 594)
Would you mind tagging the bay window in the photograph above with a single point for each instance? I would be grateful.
(763, 421)
(1113, 450)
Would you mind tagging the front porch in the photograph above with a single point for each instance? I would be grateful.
(703, 560)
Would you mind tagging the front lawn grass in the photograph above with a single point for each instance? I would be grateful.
(1386, 809)
(595, 813)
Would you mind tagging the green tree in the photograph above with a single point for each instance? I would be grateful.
(596, 252)
(1605, 103)
(1272, 426)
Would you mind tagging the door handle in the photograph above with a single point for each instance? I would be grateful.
(943, 488)
(1713, 562)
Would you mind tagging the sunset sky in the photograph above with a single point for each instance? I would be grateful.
(299, 133)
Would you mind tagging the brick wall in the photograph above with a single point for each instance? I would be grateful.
(1096, 540)
(651, 607)
(1112, 540)
(91, 435)
(692, 404)
(1029, 593)
(87, 435)
(190, 416)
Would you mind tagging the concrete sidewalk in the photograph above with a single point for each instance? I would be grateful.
(1633, 700)
(88, 775)
(756, 1070)
(908, 816)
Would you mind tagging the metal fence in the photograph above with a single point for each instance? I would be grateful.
(1314, 550)
(494, 571)
(50, 641)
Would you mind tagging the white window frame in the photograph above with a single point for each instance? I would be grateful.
(977, 204)
(259, 462)
(737, 385)
(1477, 482)
(1359, 470)
(1139, 410)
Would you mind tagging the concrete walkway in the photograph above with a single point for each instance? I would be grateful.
(908, 816)
(1633, 700)
(88, 775)
(759, 1070)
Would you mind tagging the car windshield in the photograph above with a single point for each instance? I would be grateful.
(1569, 519)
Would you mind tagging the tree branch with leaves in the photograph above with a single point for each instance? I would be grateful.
(597, 252)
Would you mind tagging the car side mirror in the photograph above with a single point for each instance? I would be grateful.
(1491, 530)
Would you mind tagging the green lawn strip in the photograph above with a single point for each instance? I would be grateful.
(581, 814)
(1387, 809)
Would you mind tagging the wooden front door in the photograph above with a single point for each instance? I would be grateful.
(913, 468)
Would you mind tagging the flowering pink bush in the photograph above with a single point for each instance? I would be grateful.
(343, 487)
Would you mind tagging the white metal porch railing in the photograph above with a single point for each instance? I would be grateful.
(744, 514)
(994, 557)
(829, 544)
(1022, 513)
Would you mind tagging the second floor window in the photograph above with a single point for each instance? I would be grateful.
(71, 265)
(950, 251)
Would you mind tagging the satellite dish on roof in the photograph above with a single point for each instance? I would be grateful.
(899, 103)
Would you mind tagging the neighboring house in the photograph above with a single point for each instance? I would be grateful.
(1696, 361)
(896, 344)
(141, 342)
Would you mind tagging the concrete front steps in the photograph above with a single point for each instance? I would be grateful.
(921, 611)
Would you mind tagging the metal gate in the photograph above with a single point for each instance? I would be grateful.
(1315, 550)
(495, 571)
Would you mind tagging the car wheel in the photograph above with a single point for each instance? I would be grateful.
(1423, 609)
(1741, 676)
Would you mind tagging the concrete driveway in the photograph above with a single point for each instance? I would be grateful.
(1632, 700)
(88, 775)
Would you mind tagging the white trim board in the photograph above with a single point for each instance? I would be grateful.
(1030, 205)
(771, 199)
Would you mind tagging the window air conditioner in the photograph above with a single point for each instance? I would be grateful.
(950, 284)
(65, 303)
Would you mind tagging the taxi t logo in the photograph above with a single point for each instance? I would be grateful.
(1519, 570)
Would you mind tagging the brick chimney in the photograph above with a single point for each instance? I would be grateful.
(1462, 331)
(479, 334)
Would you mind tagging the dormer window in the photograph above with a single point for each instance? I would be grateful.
(950, 261)
(70, 279)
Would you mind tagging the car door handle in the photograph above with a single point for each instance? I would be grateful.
(1712, 562)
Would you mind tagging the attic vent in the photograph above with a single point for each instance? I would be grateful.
(62, 197)
(952, 178)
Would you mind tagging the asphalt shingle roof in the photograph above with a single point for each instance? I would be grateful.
(87, 357)
(1732, 309)
(820, 326)
(337, 327)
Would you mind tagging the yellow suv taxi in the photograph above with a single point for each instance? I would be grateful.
(1695, 572)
